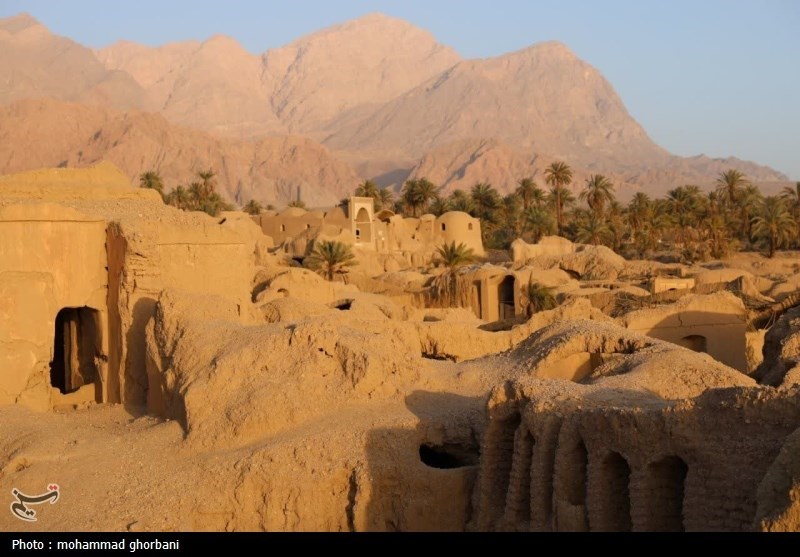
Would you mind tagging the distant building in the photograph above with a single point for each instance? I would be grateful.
(359, 225)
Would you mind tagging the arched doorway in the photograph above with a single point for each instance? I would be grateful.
(363, 226)
(77, 344)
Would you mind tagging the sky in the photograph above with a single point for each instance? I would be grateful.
(714, 77)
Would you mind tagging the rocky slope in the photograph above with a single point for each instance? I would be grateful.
(41, 133)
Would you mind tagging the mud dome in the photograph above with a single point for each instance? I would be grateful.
(229, 389)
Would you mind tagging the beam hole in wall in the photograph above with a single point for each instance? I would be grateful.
(77, 345)
(698, 343)
(448, 456)
(342, 305)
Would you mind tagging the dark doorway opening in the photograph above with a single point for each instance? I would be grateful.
(76, 348)
(505, 295)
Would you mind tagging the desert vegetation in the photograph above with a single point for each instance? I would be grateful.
(200, 195)
(692, 224)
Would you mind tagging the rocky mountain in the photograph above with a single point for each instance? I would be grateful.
(41, 133)
(542, 98)
(382, 95)
(354, 67)
(213, 85)
(36, 63)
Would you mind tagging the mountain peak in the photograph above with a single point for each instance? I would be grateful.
(378, 18)
(18, 23)
(223, 43)
(549, 49)
(371, 26)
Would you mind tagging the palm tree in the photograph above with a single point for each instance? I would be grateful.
(417, 194)
(640, 211)
(538, 222)
(774, 224)
(598, 192)
(460, 201)
(330, 258)
(208, 182)
(750, 199)
(384, 199)
(196, 195)
(538, 298)
(253, 207)
(179, 198)
(368, 188)
(452, 256)
(151, 180)
(792, 198)
(616, 225)
(593, 230)
(558, 175)
(486, 200)
(730, 182)
(509, 213)
(438, 206)
(561, 199)
(684, 204)
(529, 193)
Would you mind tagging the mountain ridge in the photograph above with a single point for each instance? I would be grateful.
(381, 94)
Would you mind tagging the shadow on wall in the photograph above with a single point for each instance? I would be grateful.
(720, 335)
(422, 478)
(136, 383)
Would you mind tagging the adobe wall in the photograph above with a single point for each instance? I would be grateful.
(148, 257)
(51, 258)
(565, 457)
(414, 238)
(458, 227)
(715, 324)
(663, 284)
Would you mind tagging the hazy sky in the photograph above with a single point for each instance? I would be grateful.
(719, 77)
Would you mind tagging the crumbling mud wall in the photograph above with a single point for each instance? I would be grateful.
(227, 381)
(781, 363)
(146, 257)
(565, 457)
